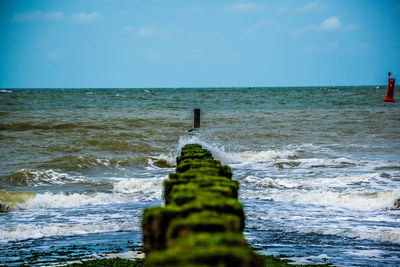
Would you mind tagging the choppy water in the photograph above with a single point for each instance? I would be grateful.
(319, 168)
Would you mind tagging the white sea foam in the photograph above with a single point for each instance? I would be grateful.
(348, 199)
(5, 91)
(125, 190)
(125, 255)
(334, 182)
(143, 189)
(245, 157)
(65, 200)
(23, 232)
(335, 192)
(381, 234)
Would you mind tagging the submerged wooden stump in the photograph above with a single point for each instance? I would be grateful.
(202, 221)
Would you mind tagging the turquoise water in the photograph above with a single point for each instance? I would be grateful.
(319, 168)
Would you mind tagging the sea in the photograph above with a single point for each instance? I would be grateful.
(319, 169)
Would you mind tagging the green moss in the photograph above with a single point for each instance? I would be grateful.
(206, 222)
(206, 239)
(111, 263)
(200, 155)
(180, 192)
(155, 223)
(209, 255)
(202, 221)
(197, 164)
(277, 261)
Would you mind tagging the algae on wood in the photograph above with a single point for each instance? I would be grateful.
(202, 221)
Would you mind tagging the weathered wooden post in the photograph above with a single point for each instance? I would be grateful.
(196, 121)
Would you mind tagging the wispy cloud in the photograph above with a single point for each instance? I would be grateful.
(246, 7)
(85, 18)
(334, 24)
(37, 16)
(310, 7)
(331, 24)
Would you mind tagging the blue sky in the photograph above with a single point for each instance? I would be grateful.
(208, 43)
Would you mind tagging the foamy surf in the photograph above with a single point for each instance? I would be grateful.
(23, 232)
(356, 231)
(124, 190)
(350, 199)
(143, 189)
(314, 183)
(228, 157)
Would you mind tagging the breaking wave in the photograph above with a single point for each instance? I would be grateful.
(34, 232)
(12, 200)
(321, 192)
(144, 188)
(162, 161)
(245, 157)
(125, 190)
(253, 182)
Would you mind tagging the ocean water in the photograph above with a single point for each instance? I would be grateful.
(319, 168)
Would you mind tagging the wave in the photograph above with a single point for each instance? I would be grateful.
(5, 91)
(38, 178)
(35, 232)
(125, 190)
(381, 234)
(145, 188)
(245, 157)
(162, 161)
(72, 163)
(12, 200)
(253, 182)
(349, 199)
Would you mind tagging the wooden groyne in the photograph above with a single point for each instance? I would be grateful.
(202, 221)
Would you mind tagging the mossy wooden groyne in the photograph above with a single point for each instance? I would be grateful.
(202, 221)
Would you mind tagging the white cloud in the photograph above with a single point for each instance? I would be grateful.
(85, 18)
(313, 6)
(245, 7)
(37, 16)
(334, 24)
(330, 24)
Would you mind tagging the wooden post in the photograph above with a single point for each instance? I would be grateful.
(196, 121)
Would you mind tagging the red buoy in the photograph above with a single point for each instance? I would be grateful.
(390, 90)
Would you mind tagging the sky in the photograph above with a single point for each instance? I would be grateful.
(204, 43)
